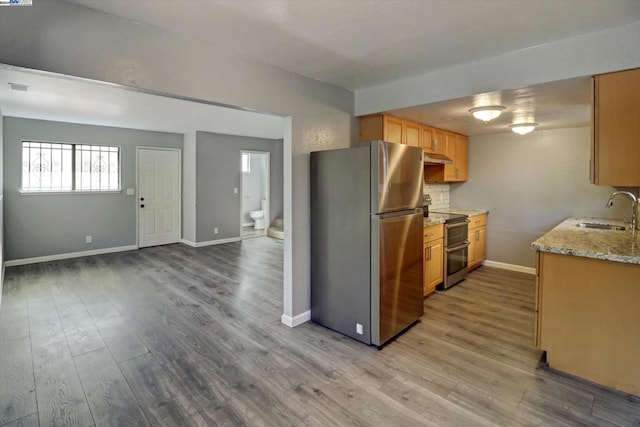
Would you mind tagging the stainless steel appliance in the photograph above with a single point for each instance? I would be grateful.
(456, 244)
(366, 240)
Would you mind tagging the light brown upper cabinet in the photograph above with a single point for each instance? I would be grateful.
(451, 172)
(433, 140)
(615, 148)
(462, 158)
(439, 141)
(427, 139)
(412, 134)
(457, 148)
(390, 129)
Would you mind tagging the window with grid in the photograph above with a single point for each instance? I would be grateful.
(59, 167)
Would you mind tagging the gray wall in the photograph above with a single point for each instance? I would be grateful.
(189, 187)
(47, 224)
(530, 184)
(77, 41)
(611, 49)
(218, 173)
(1, 209)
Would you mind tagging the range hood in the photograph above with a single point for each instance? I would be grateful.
(436, 159)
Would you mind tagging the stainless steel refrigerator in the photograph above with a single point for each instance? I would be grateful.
(366, 240)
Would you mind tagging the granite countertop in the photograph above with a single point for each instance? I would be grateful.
(611, 245)
(432, 220)
(469, 212)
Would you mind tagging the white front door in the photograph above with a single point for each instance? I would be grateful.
(158, 196)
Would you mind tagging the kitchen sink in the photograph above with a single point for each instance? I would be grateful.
(601, 226)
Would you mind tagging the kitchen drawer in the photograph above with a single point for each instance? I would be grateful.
(478, 221)
(433, 232)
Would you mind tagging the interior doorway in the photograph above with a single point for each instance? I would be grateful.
(254, 210)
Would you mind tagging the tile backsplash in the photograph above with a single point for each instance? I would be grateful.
(439, 195)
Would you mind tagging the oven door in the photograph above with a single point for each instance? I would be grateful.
(455, 264)
(456, 233)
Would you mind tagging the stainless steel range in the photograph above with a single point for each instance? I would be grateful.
(456, 244)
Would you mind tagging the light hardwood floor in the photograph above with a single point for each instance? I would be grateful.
(181, 336)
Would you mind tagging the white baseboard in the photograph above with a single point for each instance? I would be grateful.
(512, 267)
(248, 224)
(56, 257)
(188, 242)
(294, 321)
(210, 242)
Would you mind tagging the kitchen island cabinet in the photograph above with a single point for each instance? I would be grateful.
(616, 129)
(433, 257)
(587, 318)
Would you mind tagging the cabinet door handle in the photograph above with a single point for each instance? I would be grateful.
(429, 253)
(478, 235)
(435, 145)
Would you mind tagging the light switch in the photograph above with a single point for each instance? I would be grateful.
(130, 192)
(235, 190)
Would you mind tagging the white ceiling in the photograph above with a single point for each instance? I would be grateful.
(555, 105)
(357, 44)
(57, 98)
(354, 44)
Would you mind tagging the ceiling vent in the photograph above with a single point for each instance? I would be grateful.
(21, 88)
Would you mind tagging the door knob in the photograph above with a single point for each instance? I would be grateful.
(142, 206)
(142, 199)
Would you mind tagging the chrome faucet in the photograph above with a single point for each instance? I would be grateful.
(634, 207)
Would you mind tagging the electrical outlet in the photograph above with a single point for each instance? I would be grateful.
(359, 330)
(88, 239)
(215, 230)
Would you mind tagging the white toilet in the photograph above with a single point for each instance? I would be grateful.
(258, 216)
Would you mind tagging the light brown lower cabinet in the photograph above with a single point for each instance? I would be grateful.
(433, 257)
(477, 241)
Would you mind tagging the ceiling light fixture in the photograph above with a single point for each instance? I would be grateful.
(487, 113)
(523, 128)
